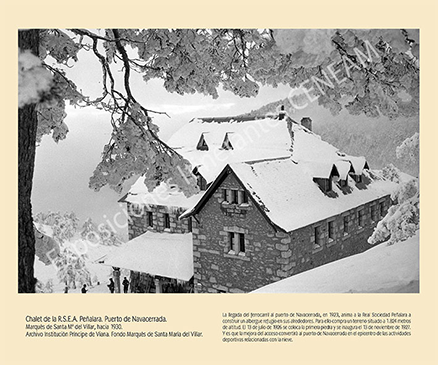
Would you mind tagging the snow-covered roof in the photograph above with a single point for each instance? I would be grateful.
(163, 194)
(358, 163)
(164, 254)
(251, 139)
(291, 199)
(382, 269)
(263, 138)
(343, 168)
(318, 169)
(285, 192)
(257, 139)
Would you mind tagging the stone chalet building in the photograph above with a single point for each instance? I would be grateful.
(275, 200)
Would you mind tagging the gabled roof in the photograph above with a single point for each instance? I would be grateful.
(284, 191)
(358, 163)
(226, 144)
(251, 139)
(343, 168)
(202, 144)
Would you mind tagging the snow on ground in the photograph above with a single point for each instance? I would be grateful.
(381, 269)
(93, 252)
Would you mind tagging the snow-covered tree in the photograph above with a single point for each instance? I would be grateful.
(403, 218)
(410, 148)
(64, 226)
(89, 231)
(108, 237)
(375, 72)
(46, 287)
(72, 269)
(391, 173)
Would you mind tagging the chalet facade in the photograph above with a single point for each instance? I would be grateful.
(275, 200)
(238, 248)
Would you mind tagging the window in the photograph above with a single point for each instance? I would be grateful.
(342, 183)
(346, 222)
(136, 210)
(373, 213)
(202, 183)
(236, 242)
(243, 198)
(324, 184)
(331, 230)
(202, 145)
(357, 178)
(317, 233)
(166, 220)
(233, 196)
(189, 224)
(226, 144)
(382, 209)
(150, 219)
(360, 217)
(241, 242)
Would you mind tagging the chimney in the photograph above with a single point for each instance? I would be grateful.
(282, 113)
(306, 122)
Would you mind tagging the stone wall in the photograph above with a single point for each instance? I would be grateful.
(138, 220)
(269, 255)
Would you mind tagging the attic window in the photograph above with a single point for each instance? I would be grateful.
(234, 196)
(324, 184)
(226, 144)
(202, 144)
(357, 178)
(202, 183)
(342, 183)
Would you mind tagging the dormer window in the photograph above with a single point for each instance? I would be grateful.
(200, 180)
(356, 178)
(342, 183)
(202, 183)
(356, 170)
(226, 144)
(202, 144)
(324, 184)
(325, 178)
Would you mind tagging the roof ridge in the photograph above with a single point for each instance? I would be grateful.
(251, 162)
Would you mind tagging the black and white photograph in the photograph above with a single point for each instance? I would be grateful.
(218, 161)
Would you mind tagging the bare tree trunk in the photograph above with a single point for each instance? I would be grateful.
(27, 127)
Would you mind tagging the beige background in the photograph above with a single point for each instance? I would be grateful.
(203, 312)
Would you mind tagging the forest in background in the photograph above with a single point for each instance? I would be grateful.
(358, 135)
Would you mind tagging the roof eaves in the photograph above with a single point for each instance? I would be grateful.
(123, 198)
(200, 204)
